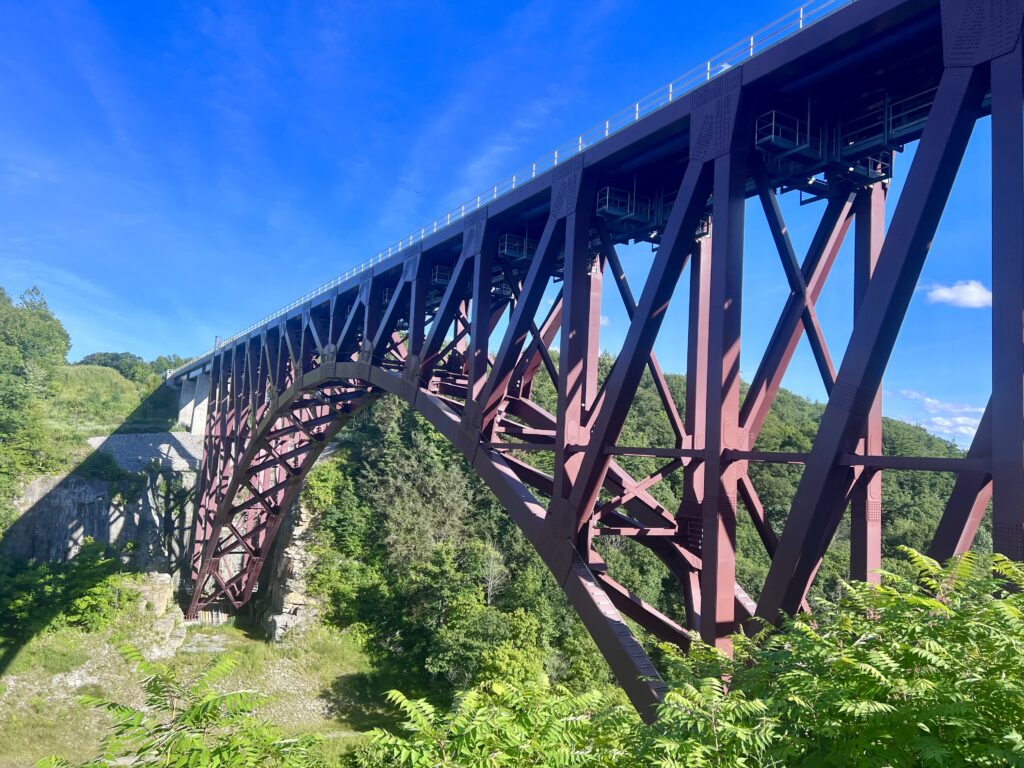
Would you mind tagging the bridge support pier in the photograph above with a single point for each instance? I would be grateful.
(193, 403)
(201, 403)
(186, 403)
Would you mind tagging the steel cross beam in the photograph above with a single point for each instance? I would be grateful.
(455, 327)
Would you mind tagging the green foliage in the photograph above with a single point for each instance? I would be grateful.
(414, 556)
(413, 553)
(498, 725)
(33, 344)
(190, 723)
(92, 400)
(47, 407)
(921, 671)
(343, 520)
(131, 366)
(88, 592)
(94, 395)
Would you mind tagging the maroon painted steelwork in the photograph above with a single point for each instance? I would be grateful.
(422, 326)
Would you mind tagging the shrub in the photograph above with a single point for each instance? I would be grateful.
(497, 725)
(920, 671)
(89, 592)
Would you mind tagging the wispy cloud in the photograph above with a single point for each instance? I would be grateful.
(97, 316)
(952, 426)
(934, 405)
(958, 421)
(605, 320)
(479, 159)
(970, 294)
(24, 273)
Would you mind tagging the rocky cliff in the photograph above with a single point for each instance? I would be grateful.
(140, 500)
(142, 504)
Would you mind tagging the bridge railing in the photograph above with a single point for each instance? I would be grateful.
(764, 38)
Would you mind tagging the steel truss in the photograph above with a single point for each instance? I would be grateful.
(423, 326)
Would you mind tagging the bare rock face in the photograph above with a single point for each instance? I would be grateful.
(156, 592)
(176, 451)
(147, 514)
(283, 602)
(167, 632)
(151, 524)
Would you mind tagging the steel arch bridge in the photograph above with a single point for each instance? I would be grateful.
(453, 322)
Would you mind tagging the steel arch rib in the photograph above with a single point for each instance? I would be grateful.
(625, 655)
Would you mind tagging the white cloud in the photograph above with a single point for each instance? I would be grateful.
(956, 421)
(605, 320)
(963, 293)
(954, 426)
(934, 405)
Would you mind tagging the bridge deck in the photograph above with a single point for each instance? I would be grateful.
(839, 67)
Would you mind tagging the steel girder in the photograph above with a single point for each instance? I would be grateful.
(423, 327)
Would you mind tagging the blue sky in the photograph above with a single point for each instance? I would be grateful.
(171, 172)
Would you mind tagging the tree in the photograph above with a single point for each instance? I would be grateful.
(33, 346)
(416, 553)
(164, 363)
(918, 671)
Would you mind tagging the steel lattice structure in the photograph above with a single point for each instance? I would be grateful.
(453, 325)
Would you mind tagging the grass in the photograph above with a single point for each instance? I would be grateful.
(53, 652)
(40, 715)
(43, 726)
(95, 400)
(39, 711)
(297, 675)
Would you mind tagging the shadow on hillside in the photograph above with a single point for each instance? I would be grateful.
(135, 517)
(360, 699)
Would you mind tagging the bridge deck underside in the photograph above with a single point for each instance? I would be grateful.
(457, 326)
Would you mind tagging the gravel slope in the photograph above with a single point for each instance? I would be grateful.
(177, 451)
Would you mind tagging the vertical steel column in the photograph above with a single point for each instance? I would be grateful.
(373, 312)
(577, 365)
(1008, 304)
(718, 549)
(689, 519)
(418, 311)
(866, 499)
(480, 324)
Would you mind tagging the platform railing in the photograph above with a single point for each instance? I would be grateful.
(764, 38)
